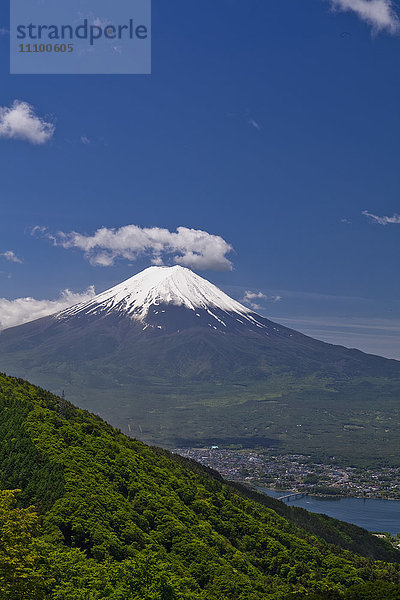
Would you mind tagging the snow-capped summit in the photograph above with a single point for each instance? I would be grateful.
(147, 296)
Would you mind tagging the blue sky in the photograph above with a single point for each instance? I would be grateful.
(271, 126)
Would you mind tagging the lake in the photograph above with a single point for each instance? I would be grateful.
(374, 515)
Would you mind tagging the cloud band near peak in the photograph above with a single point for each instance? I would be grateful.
(191, 248)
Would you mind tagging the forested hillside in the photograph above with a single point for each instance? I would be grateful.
(101, 516)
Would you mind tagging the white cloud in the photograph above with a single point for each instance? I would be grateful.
(22, 310)
(20, 122)
(254, 124)
(253, 299)
(11, 256)
(85, 140)
(191, 248)
(380, 14)
(38, 229)
(382, 220)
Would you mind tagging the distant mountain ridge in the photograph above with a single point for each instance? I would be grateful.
(170, 358)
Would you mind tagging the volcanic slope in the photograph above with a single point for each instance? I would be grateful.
(168, 357)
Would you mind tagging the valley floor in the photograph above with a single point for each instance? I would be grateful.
(298, 472)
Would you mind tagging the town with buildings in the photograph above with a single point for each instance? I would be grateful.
(297, 473)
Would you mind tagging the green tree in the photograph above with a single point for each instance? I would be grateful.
(21, 565)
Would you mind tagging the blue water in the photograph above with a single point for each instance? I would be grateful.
(374, 515)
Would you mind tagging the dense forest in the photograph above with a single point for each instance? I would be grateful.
(89, 514)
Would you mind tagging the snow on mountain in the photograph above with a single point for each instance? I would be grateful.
(162, 286)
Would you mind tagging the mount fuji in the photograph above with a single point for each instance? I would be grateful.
(170, 358)
(169, 299)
